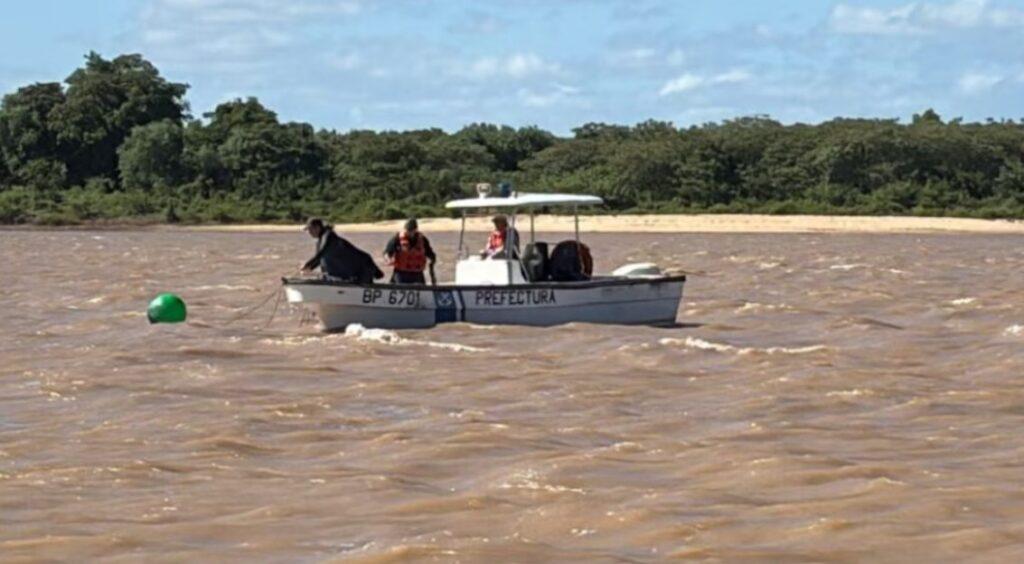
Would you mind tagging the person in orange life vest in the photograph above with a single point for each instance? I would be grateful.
(498, 243)
(409, 253)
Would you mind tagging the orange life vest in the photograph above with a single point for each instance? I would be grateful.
(496, 240)
(410, 256)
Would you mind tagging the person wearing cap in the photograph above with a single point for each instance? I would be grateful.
(409, 252)
(501, 239)
(337, 258)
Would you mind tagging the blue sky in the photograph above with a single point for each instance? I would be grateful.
(403, 64)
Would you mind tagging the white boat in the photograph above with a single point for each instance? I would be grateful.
(500, 291)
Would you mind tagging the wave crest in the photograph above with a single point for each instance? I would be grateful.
(701, 344)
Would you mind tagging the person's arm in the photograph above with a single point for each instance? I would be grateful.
(314, 262)
(392, 247)
(428, 250)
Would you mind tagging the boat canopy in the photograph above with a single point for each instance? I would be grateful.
(525, 200)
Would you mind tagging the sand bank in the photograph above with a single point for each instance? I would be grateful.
(728, 223)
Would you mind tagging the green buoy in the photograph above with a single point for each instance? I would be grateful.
(166, 308)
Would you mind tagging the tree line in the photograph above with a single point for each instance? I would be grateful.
(116, 141)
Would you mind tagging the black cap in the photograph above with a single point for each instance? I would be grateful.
(314, 222)
(411, 224)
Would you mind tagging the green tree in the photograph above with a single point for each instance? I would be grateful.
(508, 146)
(118, 142)
(152, 156)
(28, 141)
(105, 100)
(238, 113)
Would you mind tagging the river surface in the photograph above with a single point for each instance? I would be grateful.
(828, 398)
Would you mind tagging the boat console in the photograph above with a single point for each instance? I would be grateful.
(476, 271)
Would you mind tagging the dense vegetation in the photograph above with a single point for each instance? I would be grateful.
(116, 141)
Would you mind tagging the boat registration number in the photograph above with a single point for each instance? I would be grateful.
(406, 298)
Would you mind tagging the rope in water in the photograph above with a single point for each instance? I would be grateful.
(249, 311)
(273, 313)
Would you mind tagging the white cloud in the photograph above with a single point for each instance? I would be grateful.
(560, 93)
(524, 65)
(346, 62)
(1008, 17)
(838, 58)
(919, 18)
(689, 81)
(211, 32)
(683, 83)
(873, 21)
(960, 13)
(732, 77)
(637, 57)
(479, 23)
(518, 65)
(978, 83)
(239, 11)
(706, 114)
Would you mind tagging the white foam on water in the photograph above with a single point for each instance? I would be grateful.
(788, 350)
(847, 266)
(530, 479)
(701, 344)
(361, 333)
(856, 392)
(963, 301)
(1014, 331)
(698, 344)
(384, 336)
(634, 347)
(755, 306)
(296, 340)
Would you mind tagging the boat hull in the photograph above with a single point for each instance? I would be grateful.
(648, 301)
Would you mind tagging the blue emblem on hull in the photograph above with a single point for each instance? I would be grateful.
(445, 307)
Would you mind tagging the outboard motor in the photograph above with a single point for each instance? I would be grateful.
(535, 259)
(571, 262)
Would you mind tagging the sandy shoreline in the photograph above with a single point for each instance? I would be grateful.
(726, 223)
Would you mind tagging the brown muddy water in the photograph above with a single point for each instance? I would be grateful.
(837, 398)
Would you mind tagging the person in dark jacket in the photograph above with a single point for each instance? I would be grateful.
(337, 258)
(410, 254)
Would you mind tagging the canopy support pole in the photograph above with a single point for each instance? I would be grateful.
(576, 216)
(462, 233)
(510, 228)
(510, 245)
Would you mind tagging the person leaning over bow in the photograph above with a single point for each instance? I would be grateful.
(409, 252)
(337, 258)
